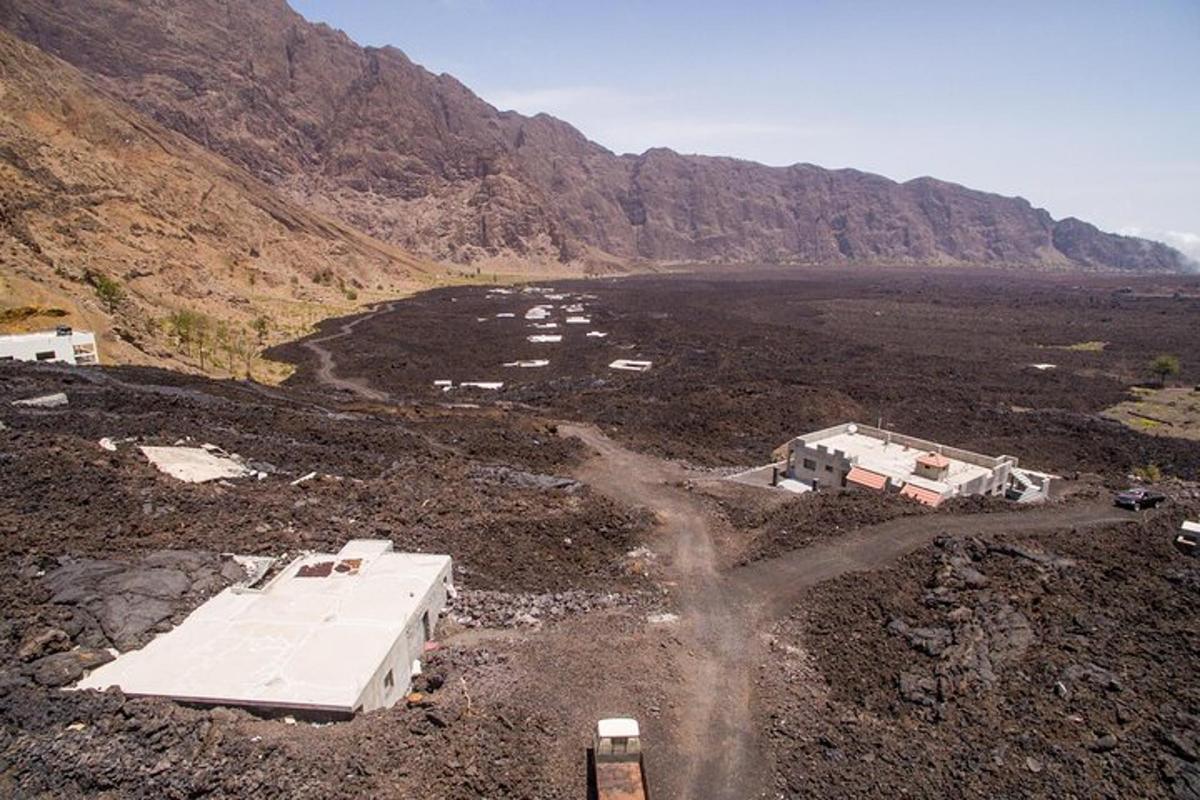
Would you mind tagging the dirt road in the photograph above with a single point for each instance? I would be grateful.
(326, 365)
(781, 581)
(715, 751)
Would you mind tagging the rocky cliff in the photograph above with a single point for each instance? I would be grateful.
(111, 222)
(417, 159)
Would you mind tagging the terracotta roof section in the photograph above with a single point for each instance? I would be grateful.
(934, 461)
(864, 477)
(921, 495)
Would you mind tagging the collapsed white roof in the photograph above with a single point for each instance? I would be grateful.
(313, 638)
(195, 464)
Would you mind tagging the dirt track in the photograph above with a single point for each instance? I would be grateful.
(326, 368)
(724, 617)
(785, 579)
(715, 750)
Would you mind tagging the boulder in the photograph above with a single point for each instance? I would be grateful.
(126, 618)
(160, 582)
(59, 669)
(43, 642)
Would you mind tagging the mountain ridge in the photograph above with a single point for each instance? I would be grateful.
(416, 158)
(111, 222)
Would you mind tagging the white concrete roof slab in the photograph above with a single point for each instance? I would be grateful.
(194, 464)
(302, 642)
(897, 461)
(630, 365)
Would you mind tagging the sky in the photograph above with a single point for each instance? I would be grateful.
(1086, 108)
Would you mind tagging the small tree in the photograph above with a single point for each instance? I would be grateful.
(262, 326)
(108, 291)
(241, 348)
(183, 326)
(202, 336)
(222, 344)
(1163, 367)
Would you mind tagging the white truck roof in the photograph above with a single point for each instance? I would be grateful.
(617, 728)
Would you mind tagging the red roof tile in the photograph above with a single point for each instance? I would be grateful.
(934, 461)
(864, 477)
(921, 495)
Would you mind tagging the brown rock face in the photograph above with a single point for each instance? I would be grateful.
(91, 190)
(419, 160)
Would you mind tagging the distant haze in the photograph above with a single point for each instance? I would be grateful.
(1089, 109)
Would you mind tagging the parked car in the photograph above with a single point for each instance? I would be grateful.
(1139, 498)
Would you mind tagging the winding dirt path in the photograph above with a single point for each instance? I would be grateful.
(782, 581)
(723, 615)
(327, 366)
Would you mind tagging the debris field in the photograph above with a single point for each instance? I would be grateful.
(881, 647)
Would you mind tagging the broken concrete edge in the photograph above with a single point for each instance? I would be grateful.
(55, 400)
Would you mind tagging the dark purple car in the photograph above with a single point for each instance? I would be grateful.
(1139, 498)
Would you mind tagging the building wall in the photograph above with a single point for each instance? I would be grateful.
(409, 647)
(808, 463)
(34, 347)
(808, 460)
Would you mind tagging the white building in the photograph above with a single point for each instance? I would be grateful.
(860, 456)
(62, 344)
(328, 636)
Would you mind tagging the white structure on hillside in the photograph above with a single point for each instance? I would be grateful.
(62, 345)
(860, 456)
(330, 635)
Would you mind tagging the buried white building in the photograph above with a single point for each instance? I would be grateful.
(62, 344)
(328, 636)
(856, 456)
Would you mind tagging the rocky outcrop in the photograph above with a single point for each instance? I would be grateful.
(366, 135)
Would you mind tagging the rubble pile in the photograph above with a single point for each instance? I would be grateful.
(484, 609)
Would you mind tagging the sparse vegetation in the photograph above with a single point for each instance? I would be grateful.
(1085, 347)
(1163, 367)
(1151, 473)
(108, 290)
(262, 327)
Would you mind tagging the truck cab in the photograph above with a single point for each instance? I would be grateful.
(616, 761)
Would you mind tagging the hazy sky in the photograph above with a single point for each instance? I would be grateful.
(1088, 108)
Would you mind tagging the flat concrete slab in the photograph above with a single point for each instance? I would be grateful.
(630, 365)
(195, 464)
(330, 633)
(45, 401)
